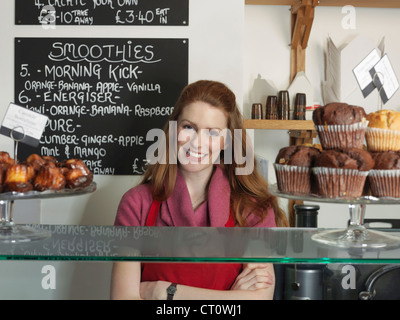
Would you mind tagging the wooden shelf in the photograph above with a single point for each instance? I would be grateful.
(279, 124)
(272, 2)
(332, 3)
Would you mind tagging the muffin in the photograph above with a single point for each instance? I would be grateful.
(49, 177)
(340, 125)
(342, 173)
(384, 178)
(77, 173)
(383, 132)
(17, 179)
(293, 169)
(35, 161)
(3, 169)
(5, 158)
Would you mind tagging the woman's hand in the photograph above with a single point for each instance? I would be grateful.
(254, 276)
(256, 281)
(154, 290)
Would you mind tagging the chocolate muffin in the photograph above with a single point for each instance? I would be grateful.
(342, 173)
(352, 158)
(389, 160)
(340, 125)
(297, 156)
(338, 113)
(293, 169)
(384, 178)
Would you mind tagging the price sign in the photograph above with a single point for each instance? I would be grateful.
(23, 125)
(50, 13)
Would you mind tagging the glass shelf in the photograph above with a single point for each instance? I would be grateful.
(189, 244)
(273, 188)
(12, 233)
(356, 235)
(48, 194)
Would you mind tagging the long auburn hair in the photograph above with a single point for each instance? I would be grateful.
(249, 193)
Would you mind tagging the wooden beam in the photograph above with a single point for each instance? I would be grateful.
(308, 21)
(302, 17)
(332, 3)
(362, 3)
(271, 2)
(297, 26)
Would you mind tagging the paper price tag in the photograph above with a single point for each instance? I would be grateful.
(376, 73)
(23, 125)
(362, 72)
(385, 79)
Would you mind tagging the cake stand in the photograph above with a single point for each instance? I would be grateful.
(356, 235)
(14, 233)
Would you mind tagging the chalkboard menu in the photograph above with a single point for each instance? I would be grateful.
(102, 96)
(102, 12)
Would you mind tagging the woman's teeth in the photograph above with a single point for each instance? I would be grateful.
(190, 153)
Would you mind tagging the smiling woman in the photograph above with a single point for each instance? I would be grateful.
(199, 184)
(199, 139)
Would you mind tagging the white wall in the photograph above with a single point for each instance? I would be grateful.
(267, 59)
(215, 35)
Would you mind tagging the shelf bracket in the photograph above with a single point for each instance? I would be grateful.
(301, 22)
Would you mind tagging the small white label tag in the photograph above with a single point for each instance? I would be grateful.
(385, 79)
(362, 72)
(23, 125)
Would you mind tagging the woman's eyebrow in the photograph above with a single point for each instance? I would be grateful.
(196, 125)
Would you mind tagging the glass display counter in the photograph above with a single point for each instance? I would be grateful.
(313, 268)
(189, 244)
(183, 244)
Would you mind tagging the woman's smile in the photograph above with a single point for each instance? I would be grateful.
(194, 155)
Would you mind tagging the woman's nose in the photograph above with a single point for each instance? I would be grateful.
(200, 138)
(195, 139)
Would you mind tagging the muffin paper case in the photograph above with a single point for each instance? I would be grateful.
(341, 136)
(293, 179)
(385, 183)
(379, 140)
(340, 183)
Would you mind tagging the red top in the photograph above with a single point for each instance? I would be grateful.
(216, 276)
(177, 210)
(137, 208)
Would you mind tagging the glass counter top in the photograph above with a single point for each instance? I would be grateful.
(190, 244)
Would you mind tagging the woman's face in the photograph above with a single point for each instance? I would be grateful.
(201, 131)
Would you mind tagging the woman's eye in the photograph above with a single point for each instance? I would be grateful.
(187, 127)
(214, 133)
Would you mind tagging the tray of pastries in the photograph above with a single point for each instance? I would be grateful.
(43, 177)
